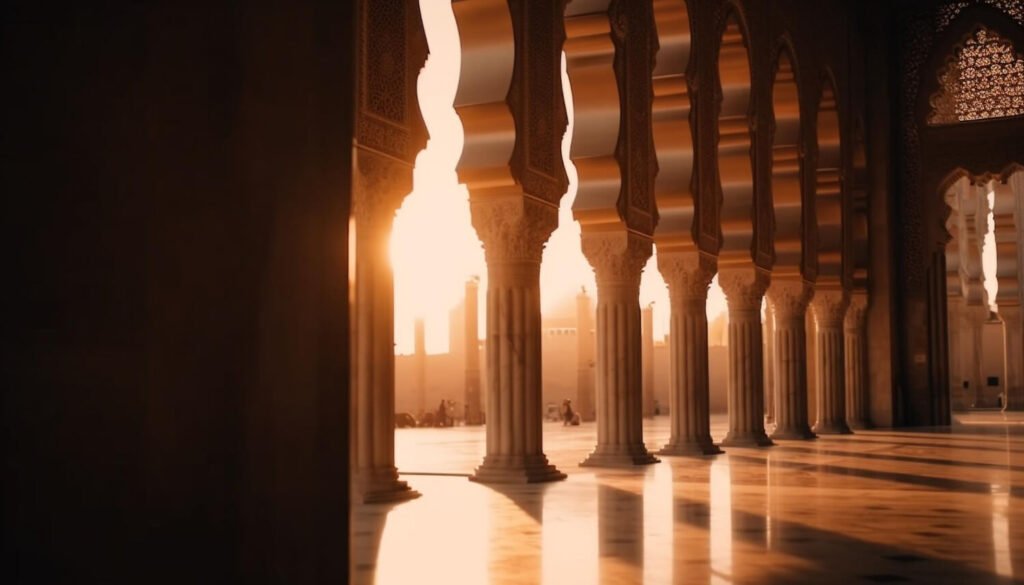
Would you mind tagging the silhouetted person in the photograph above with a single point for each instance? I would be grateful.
(568, 416)
(442, 414)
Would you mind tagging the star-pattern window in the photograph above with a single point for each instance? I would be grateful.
(984, 79)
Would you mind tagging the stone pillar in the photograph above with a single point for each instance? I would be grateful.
(420, 364)
(829, 308)
(857, 411)
(376, 199)
(1013, 345)
(975, 317)
(788, 300)
(768, 334)
(688, 276)
(647, 328)
(585, 357)
(744, 288)
(960, 397)
(474, 408)
(513, 231)
(618, 259)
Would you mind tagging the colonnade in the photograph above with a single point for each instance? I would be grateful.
(640, 187)
(968, 302)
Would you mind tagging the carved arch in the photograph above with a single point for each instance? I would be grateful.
(673, 135)
(828, 190)
(1007, 209)
(787, 165)
(734, 144)
(859, 223)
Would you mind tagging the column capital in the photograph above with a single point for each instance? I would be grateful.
(513, 228)
(829, 306)
(618, 257)
(687, 274)
(789, 297)
(857, 310)
(744, 287)
(380, 184)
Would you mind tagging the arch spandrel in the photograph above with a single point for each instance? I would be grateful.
(953, 196)
(860, 224)
(509, 97)
(673, 136)
(1006, 210)
(735, 165)
(828, 196)
(487, 41)
(609, 52)
(787, 191)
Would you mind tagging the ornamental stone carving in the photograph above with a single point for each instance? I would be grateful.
(788, 299)
(744, 287)
(618, 258)
(687, 274)
(829, 307)
(857, 312)
(380, 184)
(513, 228)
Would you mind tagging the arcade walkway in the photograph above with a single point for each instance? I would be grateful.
(875, 507)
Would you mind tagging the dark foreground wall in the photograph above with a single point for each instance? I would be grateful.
(175, 202)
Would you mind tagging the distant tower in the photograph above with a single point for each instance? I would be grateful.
(474, 408)
(647, 326)
(421, 366)
(585, 357)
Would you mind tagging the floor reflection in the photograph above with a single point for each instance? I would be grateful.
(878, 506)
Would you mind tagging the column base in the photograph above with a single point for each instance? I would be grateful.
(836, 428)
(627, 456)
(691, 449)
(858, 424)
(505, 469)
(381, 486)
(794, 434)
(759, 439)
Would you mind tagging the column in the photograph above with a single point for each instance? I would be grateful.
(618, 259)
(769, 366)
(474, 412)
(829, 307)
(1013, 384)
(375, 478)
(788, 300)
(688, 276)
(857, 412)
(647, 328)
(420, 364)
(975, 317)
(513, 230)
(744, 288)
(961, 398)
(585, 357)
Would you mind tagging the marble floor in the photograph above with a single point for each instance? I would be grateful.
(885, 506)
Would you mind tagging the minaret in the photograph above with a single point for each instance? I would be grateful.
(585, 357)
(421, 366)
(648, 360)
(474, 408)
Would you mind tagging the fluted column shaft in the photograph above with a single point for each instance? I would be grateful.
(618, 260)
(647, 330)
(513, 232)
(373, 369)
(788, 300)
(854, 324)
(1013, 360)
(688, 276)
(769, 367)
(829, 308)
(744, 288)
